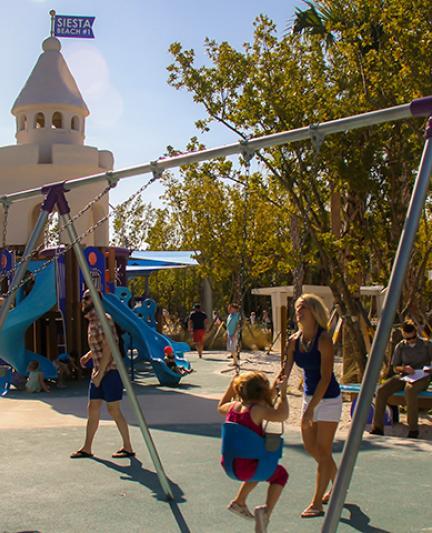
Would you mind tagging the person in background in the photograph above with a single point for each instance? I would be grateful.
(197, 326)
(105, 384)
(66, 368)
(411, 353)
(35, 380)
(233, 332)
(169, 359)
(267, 321)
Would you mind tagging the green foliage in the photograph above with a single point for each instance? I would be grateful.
(341, 58)
(132, 221)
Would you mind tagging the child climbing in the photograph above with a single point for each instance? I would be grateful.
(35, 380)
(248, 401)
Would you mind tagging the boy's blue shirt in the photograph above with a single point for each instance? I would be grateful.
(232, 322)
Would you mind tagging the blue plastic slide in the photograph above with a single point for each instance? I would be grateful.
(148, 341)
(28, 309)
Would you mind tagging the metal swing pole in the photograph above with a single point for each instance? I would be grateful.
(376, 358)
(22, 268)
(73, 236)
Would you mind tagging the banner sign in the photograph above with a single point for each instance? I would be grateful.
(96, 262)
(71, 26)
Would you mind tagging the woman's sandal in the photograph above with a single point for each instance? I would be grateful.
(122, 454)
(240, 510)
(81, 454)
(311, 512)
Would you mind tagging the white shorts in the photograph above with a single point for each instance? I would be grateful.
(232, 343)
(328, 410)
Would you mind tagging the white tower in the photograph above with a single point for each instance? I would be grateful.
(50, 124)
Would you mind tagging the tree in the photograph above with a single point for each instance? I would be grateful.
(278, 84)
(131, 223)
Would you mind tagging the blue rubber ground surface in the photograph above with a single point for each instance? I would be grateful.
(43, 490)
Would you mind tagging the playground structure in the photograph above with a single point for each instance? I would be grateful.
(55, 198)
(63, 196)
(47, 306)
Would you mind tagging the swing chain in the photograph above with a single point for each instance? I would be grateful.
(111, 183)
(248, 154)
(6, 205)
(63, 250)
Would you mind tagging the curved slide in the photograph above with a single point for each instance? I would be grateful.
(148, 341)
(39, 301)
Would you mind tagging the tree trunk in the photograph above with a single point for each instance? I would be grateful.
(298, 271)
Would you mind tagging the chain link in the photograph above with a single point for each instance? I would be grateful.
(6, 206)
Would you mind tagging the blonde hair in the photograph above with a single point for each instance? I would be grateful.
(317, 307)
(253, 387)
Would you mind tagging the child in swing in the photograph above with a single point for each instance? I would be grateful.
(249, 401)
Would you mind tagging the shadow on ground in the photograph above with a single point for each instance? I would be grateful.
(359, 521)
(135, 473)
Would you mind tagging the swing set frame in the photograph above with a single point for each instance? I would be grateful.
(55, 198)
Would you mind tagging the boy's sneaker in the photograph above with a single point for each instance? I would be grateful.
(261, 519)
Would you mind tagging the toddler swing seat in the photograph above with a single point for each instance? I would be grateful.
(240, 442)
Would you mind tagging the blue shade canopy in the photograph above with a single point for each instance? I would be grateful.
(142, 263)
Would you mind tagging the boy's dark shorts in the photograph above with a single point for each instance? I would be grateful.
(110, 389)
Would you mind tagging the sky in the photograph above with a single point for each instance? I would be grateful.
(122, 72)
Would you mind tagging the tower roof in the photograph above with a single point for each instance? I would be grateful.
(50, 82)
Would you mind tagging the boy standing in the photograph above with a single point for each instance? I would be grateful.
(233, 330)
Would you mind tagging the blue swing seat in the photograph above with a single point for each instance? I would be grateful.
(240, 442)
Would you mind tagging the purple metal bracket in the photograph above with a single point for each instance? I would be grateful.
(421, 107)
(55, 196)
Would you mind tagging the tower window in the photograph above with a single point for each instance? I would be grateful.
(57, 121)
(75, 123)
(22, 123)
(39, 121)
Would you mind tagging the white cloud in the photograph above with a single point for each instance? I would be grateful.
(91, 72)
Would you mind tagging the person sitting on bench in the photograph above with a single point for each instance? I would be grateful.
(410, 354)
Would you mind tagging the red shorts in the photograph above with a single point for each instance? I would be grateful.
(244, 469)
(198, 335)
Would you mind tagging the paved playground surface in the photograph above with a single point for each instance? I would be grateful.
(45, 491)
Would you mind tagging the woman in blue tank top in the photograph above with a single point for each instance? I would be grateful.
(311, 348)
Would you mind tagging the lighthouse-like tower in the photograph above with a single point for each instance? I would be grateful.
(50, 131)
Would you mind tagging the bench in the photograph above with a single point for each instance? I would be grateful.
(396, 399)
